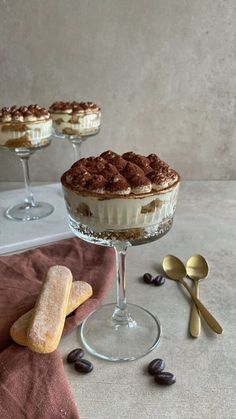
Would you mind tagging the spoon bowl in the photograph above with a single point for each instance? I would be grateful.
(197, 267)
(174, 268)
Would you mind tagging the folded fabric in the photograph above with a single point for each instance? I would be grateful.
(34, 385)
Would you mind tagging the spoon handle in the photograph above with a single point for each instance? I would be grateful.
(211, 321)
(195, 320)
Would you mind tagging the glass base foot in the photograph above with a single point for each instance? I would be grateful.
(26, 212)
(107, 335)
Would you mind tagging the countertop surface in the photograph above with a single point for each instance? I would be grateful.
(205, 367)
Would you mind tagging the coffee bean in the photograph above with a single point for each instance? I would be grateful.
(75, 355)
(148, 278)
(83, 365)
(165, 378)
(156, 366)
(159, 280)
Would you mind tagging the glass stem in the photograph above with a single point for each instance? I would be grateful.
(121, 281)
(77, 148)
(29, 199)
(121, 315)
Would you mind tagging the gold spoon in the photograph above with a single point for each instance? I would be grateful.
(197, 268)
(175, 269)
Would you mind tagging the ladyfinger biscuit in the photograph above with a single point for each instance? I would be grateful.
(48, 317)
(80, 292)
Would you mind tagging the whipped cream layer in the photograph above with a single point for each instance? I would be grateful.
(121, 213)
(80, 124)
(26, 134)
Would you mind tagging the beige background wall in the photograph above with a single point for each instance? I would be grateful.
(164, 72)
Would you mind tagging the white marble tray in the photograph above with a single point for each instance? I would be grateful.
(16, 235)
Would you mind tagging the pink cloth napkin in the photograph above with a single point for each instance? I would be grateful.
(34, 386)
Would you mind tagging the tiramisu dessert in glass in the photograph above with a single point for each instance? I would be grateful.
(75, 121)
(24, 130)
(120, 201)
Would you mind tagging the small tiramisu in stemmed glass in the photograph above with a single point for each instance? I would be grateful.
(24, 130)
(75, 121)
(120, 201)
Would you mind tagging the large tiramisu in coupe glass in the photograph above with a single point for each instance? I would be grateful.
(75, 121)
(120, 201)
(24, 130)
